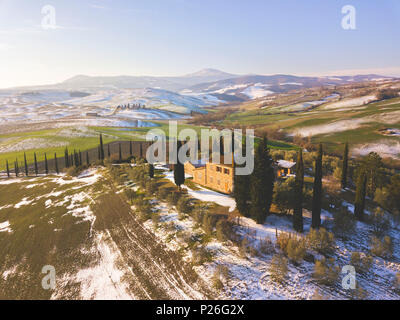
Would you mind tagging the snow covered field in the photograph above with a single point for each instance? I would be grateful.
(348, 103)
(385, 148)
(48, 105)
(127, 263)
(336, 126)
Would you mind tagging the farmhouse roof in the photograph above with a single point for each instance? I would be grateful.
(286, 164)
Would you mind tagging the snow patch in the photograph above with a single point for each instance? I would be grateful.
(5, 227)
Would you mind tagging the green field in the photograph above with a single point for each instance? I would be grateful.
(55, 141)
(370, 118)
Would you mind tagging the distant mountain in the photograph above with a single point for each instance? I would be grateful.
(119, 82)
(256, 86)
(135, 82)
(209, 85)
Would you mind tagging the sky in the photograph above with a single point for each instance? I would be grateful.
(175, 37)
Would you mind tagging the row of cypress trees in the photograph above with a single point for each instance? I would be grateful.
(253, 194)
(317, 192)
(361, 189)
(26, 167)
(74, 159)
(101, 153)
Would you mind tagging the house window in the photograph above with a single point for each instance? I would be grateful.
(226, 171)
(219, 169)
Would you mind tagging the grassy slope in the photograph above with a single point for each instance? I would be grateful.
(85, 143)
(44, 234)
(319, 116)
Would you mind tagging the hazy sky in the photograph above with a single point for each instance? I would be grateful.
(173, 37)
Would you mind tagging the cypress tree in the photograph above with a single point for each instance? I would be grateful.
(120, 152)
(179, 170)
(101, 148)
(66, 158)
(317, 192)
(87, 158)
(361, 192)
(16, 168)
(26, 165)
(345, 165)
(241, 190)
(80, 158)
(262, 182)
(71, 160)
(46, 165)
(56, 163)
(298, 205)
(151, 171)
(108, 151)
(221, 146)
(8, 169)
(130, 148)
(75, 159)
(36, 165)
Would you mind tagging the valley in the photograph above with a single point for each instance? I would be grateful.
(111, 232)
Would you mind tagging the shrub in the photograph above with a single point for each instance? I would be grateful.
(326, 272)
(337, 173)
(381, 197)
(223, 230)
(162, 193)
(362, 263)
(150, 187)
(396, 282)
(76, 171)
(216, 282)
(143, 208)
(321, 241)
(155, 218)
(358, 293)
(379, 222)
(278, 268)
(183, 205)
(201, 255)
(283, 240)
(198, 212)
(173, 198)
(294, 247)
(284, 195)
(387, 94)
(246, 249)
(343, 223)
(266, 246)
(130, 194)
(207, 224)
(382, 248)
(221, 272)
(296, 250)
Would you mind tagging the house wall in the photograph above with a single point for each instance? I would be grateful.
(199, 176)
(284, 172)
(189, 168)
(219, 177)
(215, 176)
